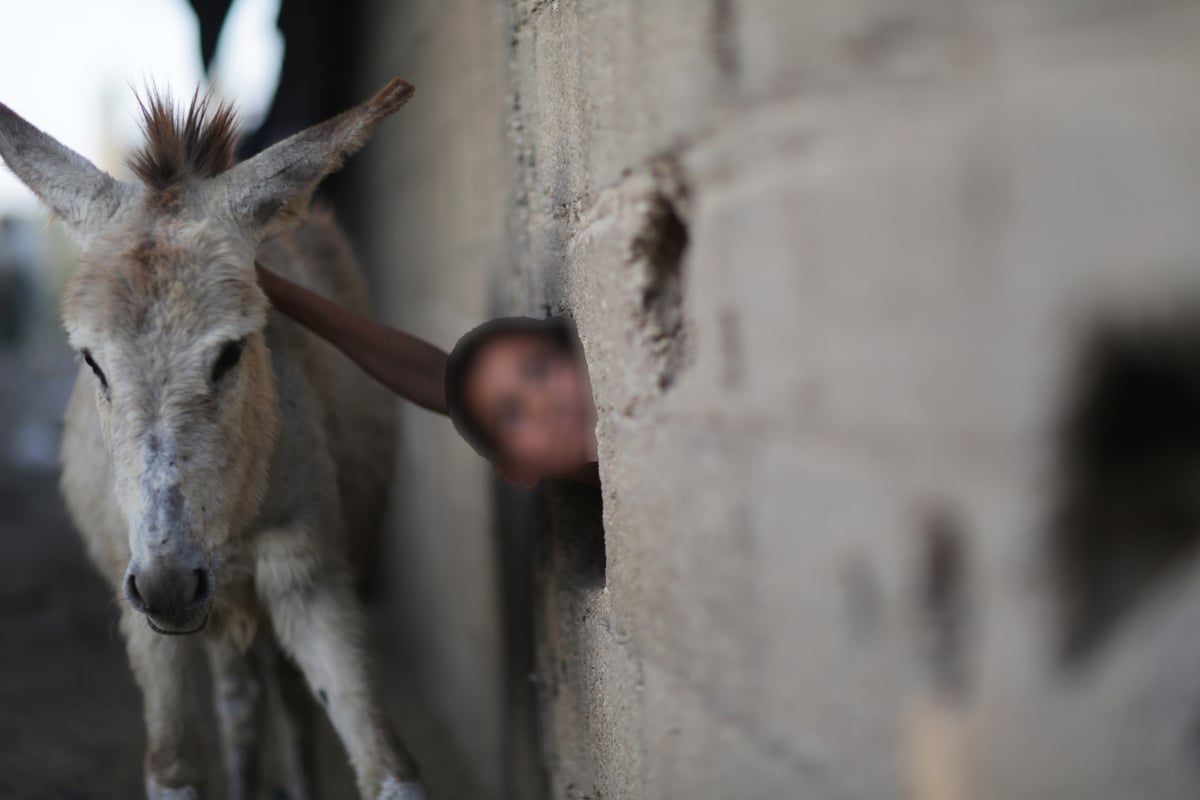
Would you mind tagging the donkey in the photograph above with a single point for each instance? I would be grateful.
(227, 470)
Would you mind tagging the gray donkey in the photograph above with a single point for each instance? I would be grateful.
(227, 469)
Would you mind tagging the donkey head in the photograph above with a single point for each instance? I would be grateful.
(166, 313)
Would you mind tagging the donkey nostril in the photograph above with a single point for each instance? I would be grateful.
(203, 587)
(132, 594)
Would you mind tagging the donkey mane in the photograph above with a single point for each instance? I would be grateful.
(198, 142)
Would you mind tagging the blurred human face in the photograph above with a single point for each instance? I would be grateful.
(534, 401)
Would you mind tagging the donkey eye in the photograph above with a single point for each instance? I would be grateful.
(231, 354)
(99, 373)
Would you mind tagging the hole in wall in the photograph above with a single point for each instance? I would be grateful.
(1128, 511)
(658, 251)
(943, 600)
(575, 534)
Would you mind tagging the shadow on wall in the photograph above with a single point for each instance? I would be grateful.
(1128, 516)
(572, 541)
(552, 536)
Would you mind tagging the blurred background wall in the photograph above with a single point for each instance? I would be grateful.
(890, 310)
(435, 193)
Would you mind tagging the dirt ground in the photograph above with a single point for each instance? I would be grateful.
(70, 719)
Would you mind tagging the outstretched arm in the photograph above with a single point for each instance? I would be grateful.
(410, 367)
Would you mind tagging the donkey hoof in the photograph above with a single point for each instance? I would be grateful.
(393, 789)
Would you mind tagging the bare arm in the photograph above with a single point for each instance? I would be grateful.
(410, 367)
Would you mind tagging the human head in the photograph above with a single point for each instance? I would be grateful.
(517, 390)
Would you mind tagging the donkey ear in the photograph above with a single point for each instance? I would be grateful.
(280, 180)
(83, 195)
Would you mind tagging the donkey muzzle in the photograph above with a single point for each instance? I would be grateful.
(176, 598)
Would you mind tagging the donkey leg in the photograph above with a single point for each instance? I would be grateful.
(165, 670)
(293, 719)
(238, 696)
(317, 619)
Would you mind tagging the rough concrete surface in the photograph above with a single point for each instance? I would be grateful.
(836, 267)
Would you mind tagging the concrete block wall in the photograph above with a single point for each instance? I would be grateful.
(864, 288)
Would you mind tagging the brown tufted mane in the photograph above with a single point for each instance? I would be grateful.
(197, 143)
